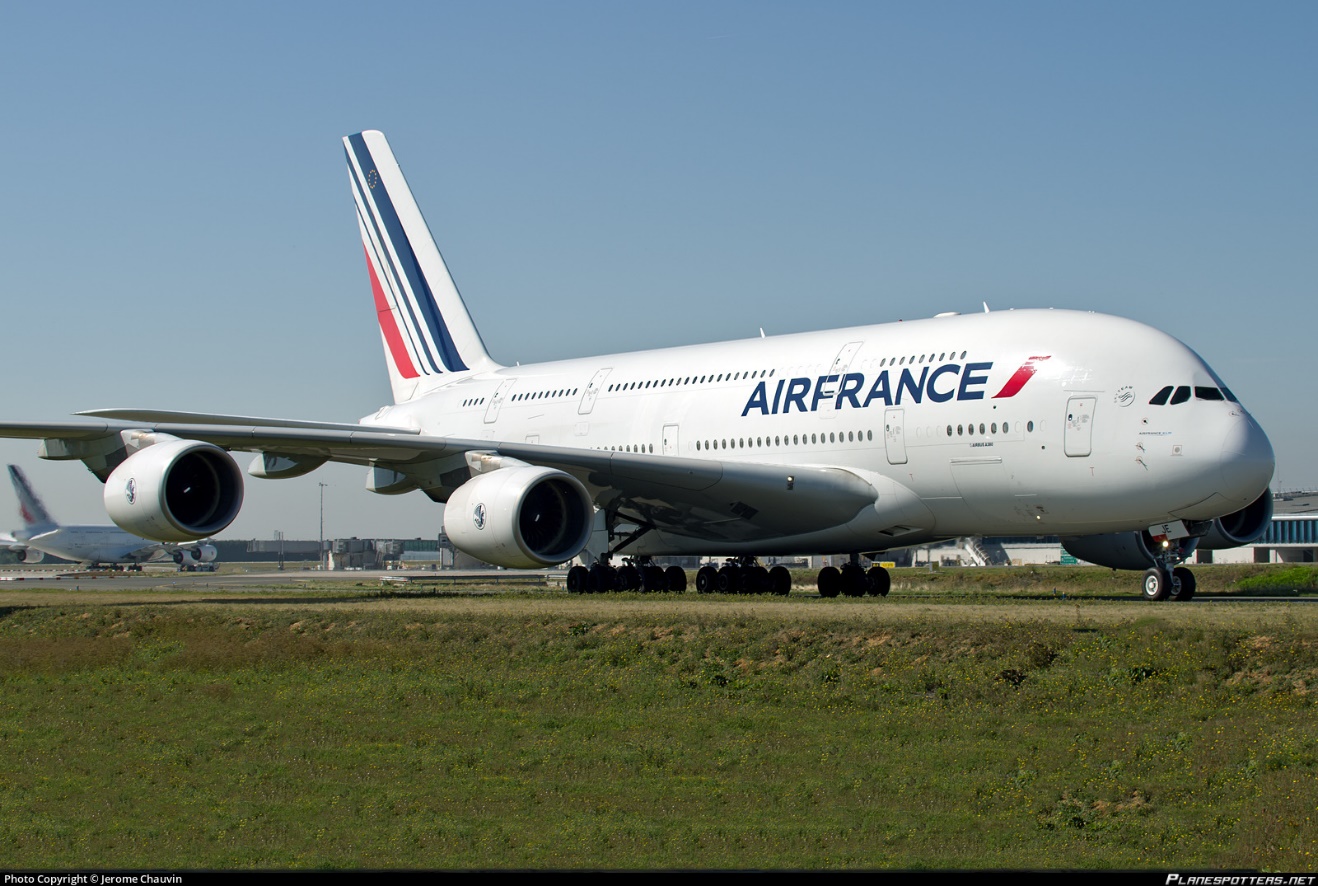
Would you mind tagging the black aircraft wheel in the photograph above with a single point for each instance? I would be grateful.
(780, 581)
(706, 579)
(830, 581)
(1157, 584)
(600, 580)
(629, 578)
(757, 580)
(577, 577)
(652, 579)
(675, 580)
(880, 582)
(729, 580)
(853, 580)
(1183, 580)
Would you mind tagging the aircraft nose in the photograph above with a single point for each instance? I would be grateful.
(1247, 460)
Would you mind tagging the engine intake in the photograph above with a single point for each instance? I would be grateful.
(195, 555)
(177, 490)
(1134, 550)
(520, 517)
(1240, 527)
(1121, 550)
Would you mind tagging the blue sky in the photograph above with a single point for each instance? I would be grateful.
(176, 229)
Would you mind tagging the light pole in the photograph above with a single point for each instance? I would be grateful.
(321, 552)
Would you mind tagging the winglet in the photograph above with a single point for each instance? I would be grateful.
(30, 507)
(424, 323)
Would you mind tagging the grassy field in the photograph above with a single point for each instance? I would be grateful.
(1036, 723)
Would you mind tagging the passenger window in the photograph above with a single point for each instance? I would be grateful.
(1182, 394)
(1160, 398)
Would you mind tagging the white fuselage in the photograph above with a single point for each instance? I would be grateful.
(1014, 422)
(92, 544)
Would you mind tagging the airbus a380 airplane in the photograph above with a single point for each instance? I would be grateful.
(93, 545)
(1104, 431)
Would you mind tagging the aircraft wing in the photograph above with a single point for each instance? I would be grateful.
(700, 498)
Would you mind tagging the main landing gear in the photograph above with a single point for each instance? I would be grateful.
(743, 575)
(853, 580)
(635, 574)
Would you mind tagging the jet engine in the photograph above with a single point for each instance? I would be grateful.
(1135, 550)
(177, 490)
(30, 555)
(1241, 527)
(195, 555)
(520, 517)
(1124, 550)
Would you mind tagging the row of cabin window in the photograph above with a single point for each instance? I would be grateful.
(796, 440)
(1174, 397)
(540, 395)
(969, 430)
(893, 361)
(763, 373)
(690, 380)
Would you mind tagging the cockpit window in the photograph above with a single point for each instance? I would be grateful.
(1182, 394)
(1230, 396)
(1160, 398)
(1207, 394)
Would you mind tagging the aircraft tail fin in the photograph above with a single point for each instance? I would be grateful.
(30, 506)
(424, 323)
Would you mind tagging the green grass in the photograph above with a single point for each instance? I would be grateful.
(1292, 578)
(535, 731)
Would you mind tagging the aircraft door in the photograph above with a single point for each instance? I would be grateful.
(670, 440)
(894, 435)
(1079, 433)
(592, 391)
(492, 411)
(838, 372)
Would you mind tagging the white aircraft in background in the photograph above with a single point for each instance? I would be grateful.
(1101, 430)
(94, 545)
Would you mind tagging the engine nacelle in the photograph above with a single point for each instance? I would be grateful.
(521, 517)
(31, 555)
(1241, 527)
(1125, 550)
(194, 555)
(177, 490)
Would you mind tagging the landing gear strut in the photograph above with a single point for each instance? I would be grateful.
(637, 573)
(1166, 580)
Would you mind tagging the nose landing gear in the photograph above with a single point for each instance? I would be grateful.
(1163, 583)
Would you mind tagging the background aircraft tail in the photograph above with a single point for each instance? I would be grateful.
(30, 507)
(426, 329)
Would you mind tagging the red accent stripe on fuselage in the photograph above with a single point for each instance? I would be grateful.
(1019, 378)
